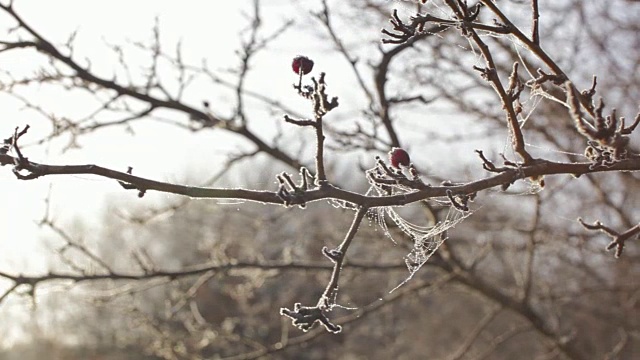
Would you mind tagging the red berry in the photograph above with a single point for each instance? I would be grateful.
(302, 63)
(398, 156)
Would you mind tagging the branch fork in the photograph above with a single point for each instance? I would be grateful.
(617, 239)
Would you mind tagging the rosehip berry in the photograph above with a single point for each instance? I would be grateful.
(302, 63)
(398, 156)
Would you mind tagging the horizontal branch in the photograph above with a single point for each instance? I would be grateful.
(535, 170)
(197, 270)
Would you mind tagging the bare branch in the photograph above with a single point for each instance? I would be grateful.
(618, 239)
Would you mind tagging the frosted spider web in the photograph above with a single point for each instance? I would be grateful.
(426, 238)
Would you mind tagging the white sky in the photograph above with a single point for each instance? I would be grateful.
(208, 29)
(95, 22)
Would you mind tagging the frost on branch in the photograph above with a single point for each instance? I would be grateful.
(607, 137)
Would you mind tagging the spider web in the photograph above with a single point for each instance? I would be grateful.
(426, 238)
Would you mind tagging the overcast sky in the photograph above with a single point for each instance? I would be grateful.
(208, 30)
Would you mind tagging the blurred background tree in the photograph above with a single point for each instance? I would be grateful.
(170, 277)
